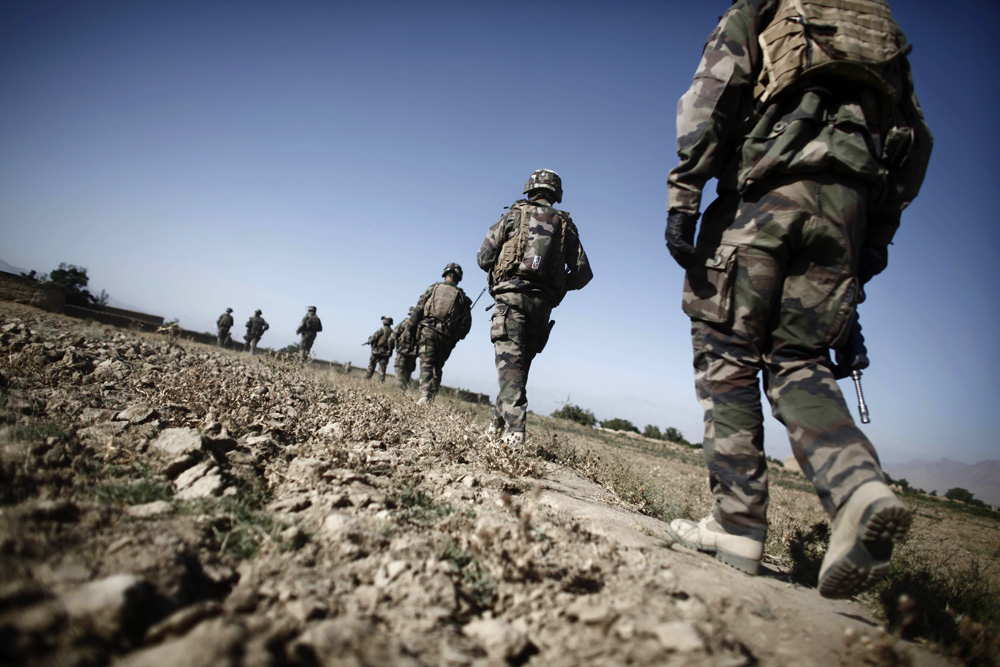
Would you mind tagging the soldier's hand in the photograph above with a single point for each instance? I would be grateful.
(872, 261)
(852, 355)
(679, 234)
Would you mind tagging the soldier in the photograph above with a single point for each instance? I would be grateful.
(256, 326)
(381, 343)
(817, 150)
(224, 324)
(441, 318)
(532, 256)
(308, 328)
(405, 342)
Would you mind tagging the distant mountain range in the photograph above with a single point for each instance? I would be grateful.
(982, 479)
(10, 268)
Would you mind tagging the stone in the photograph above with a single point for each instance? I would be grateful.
(106, 607)
(213, 643)
(174, 443)
(207, 486)
(678, 636)
(498, 638)
(147, 510)
(137, 413)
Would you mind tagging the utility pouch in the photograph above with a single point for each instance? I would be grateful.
(498, 324)
(708, 286)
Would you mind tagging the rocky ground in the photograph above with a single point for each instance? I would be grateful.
(167, 503)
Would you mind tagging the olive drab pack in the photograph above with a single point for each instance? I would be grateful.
(850, 39)
(445, 305)
(535, 252)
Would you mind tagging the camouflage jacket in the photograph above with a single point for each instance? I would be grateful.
(823, 127)
(381, 341)
(403, 339)
(310, 324)
(256, 326)
(457, 327)
(576, 264)
(225, 321)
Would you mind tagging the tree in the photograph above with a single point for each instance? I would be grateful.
(577, 414)
(674, 435)
(652, 432)
(74, 280)
(618, 424)
(959, 494)
(289, 350)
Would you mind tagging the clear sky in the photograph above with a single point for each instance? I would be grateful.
(194, 155)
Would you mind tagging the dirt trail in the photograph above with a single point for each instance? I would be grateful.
(169, 503)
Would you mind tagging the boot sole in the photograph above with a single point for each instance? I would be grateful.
(741, 563)
(866, 563)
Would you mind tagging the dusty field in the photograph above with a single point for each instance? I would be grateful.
(168, 503)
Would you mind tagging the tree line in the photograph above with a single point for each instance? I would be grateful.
(585, 417)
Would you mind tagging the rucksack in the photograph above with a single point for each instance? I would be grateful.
(849, 39)
(536, 251)
(445, 305)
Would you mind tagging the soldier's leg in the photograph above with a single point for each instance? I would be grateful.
(427, 352)
(817, 304)
(383, 362)
(372, 360)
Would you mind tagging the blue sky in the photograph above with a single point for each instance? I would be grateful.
(199, 155)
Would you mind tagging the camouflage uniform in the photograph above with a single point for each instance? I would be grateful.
(520, 326)
(806, 183)
(224, 324)
(381, 342)
(405, 342)
(308, 328)
(256, 326)
(436, 337)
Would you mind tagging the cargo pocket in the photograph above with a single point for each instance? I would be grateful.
(498, 325)
(708, 287)
(844, 301)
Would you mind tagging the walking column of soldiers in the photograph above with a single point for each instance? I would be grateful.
(804, 112)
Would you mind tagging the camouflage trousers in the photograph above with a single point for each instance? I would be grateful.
(252, 344)
(405, 365)
(306, 344)
(380, 360)
(434, 349)
(774, 290)
(223, 337)
(519, 330)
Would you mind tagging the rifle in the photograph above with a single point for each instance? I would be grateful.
(851, 359)
(477, 299)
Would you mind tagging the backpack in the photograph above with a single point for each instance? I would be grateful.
(445, 304)
(535, 252)
(849, 39)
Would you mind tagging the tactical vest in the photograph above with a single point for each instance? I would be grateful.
(380, 340)
(536, 251)
(444, 305)
(848, 39)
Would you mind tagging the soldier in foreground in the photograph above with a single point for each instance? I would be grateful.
(815, 161)
(441, 318)
(405, 342)
(381, 343)
(532, 256)
(256, 326)
(224, 324)
(308, 328)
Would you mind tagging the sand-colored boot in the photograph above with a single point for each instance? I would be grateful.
(864, 530)
(707, 536)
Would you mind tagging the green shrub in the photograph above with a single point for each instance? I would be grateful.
(577, 414)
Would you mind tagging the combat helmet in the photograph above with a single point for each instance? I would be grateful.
(386, 320)
(229, 310)
(312, 309)
(453, 268)
(545, 179)
(257, 312)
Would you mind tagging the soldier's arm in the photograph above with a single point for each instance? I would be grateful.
(418, 310)
(578, 268)
(714, 109)
(908, 148)
(492, 243)
(319, 325)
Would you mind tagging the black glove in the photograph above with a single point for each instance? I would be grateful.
(872, 261)
(680, 236)
(852, 355)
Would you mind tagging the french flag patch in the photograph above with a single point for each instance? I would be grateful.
(535, 262)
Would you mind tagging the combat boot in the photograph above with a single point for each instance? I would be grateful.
(707, 536)
(861, 540)
(514, 440)
(495, 429)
